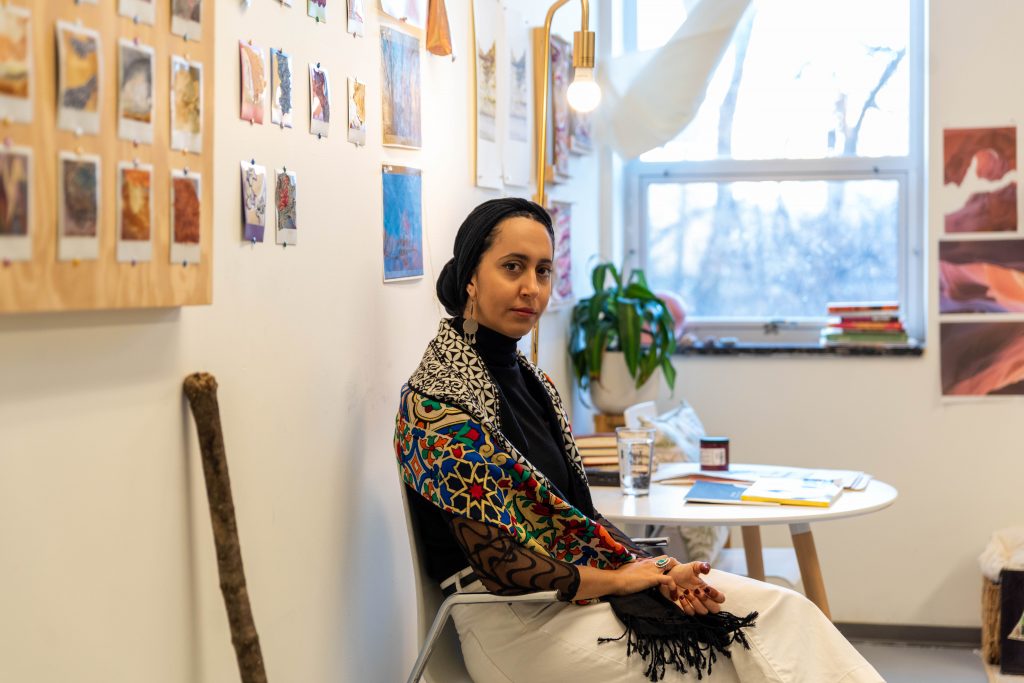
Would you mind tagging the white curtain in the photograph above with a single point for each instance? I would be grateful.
(649, 97)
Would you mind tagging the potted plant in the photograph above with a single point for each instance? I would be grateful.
(619, 338)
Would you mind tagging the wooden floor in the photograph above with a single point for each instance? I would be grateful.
(915, 664)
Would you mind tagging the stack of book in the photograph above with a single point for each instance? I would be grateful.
(864, 323)
(600, 456)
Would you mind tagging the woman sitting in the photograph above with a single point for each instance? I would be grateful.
(495, 481)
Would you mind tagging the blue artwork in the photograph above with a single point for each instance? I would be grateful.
(403, 223)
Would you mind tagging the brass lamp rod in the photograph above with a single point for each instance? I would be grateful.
(582, 56)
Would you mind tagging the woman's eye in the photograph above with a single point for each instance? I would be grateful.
(511, 267)
(544, 272)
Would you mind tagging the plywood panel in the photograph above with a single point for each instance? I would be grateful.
(46, 284)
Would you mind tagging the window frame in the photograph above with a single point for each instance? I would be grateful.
(907, 171)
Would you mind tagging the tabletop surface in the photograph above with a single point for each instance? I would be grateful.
(665, 505)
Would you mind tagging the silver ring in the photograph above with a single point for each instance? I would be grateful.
(661, 562)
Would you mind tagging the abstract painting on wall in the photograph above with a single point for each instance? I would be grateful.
(580, 137)
(981, 276)
(356, 17)
(356, 112)
(982, 358)
(186, 18)
(134, 212)
(319, 100)
(78, 206)
(16, 63)
(515, 151)
(135, 101)
(403, 223)
(139, 11)
(15, 203)
(285, 203)
(254, 82)
(411, 12)
(400, 88)
(186, 216)
(79, 78)
(186, 105)
(561, 222)
(561, 72)
(281, 88)
(254, 201)
(486, 28)
(979, 192)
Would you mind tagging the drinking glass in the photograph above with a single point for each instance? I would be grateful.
(636, 457)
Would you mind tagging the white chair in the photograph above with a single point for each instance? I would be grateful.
(440, 656)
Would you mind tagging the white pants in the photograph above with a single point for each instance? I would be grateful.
(557, 642)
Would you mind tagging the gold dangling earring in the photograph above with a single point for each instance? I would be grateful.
(470, 325)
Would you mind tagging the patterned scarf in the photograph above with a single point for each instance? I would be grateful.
(451, 450)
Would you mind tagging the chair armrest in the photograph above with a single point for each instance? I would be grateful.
(445, 609)
(652, 541)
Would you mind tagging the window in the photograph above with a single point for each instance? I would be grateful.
(798, 182)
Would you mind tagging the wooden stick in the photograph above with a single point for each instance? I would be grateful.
(753, 551)
(201, 390)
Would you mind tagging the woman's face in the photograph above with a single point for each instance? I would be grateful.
(512, 283)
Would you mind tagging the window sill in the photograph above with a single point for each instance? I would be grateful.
(791, 349)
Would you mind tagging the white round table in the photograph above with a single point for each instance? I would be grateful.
(665, 506)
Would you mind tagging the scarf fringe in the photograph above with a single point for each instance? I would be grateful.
(693, 642)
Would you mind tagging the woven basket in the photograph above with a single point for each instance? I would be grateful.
(989, 621)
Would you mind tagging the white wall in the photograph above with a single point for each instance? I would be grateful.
(107, 572)
(958, 466)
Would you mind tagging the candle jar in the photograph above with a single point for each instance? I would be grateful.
(714, 453)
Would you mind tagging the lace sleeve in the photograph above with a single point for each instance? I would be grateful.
(507, 568)
(620, 536)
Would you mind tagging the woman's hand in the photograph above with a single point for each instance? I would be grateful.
(640, 575)
(696, 596)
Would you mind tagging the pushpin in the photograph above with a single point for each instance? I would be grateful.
(74, 262)
(133, 263)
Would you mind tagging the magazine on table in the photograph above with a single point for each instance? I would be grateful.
(684, 473)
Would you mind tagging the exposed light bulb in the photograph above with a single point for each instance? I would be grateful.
(584, 93)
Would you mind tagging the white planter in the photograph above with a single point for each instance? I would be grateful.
(616, 390)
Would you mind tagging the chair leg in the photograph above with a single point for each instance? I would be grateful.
(428, 645)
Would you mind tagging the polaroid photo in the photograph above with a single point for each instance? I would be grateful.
(16, 209)
(254, 201)
(134, 212)
(285, 201)
(281, 89)
(317, 9)
(78, 207)
(186, 216)
(141, 11)
(254, 82)
(79, 78)
(356, 17)
(186, 105)
(356, 112)
(187, 18)
(16, 75)
(319, 100)
(135, 94)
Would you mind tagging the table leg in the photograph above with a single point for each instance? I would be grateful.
(810, 570)
(752, 549)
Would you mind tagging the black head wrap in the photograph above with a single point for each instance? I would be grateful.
(475, 236)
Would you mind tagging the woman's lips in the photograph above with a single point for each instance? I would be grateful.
(524, 312)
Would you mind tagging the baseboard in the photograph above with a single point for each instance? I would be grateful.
(913, 634)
